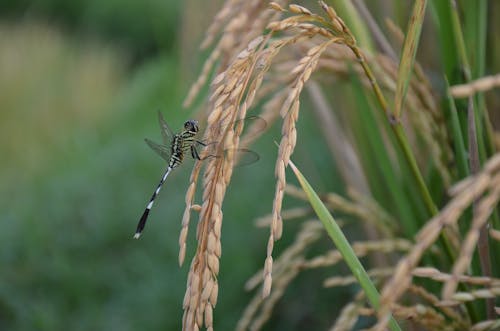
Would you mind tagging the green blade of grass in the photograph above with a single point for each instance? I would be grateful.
(342, 245)
(442, 18)
(358, 26)
(458, 138)
(475, 22)
(408, 54)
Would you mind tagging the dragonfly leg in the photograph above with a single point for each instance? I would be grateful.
(194, 153)
(201, 143)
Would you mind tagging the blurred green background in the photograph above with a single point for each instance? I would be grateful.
(80, 86)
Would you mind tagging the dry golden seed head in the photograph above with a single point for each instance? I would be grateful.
(273, 26)
(188, 321)
(207, 290)
(463, 296)
(187, 297)
(207, 275)
(266, 287)
(276, 6)
(299, 86)
(196, 208)
(229, 86)
(493, 164)
(307, 74)
(278, 200)
(221, 99)
(214, 294)
(221, 214)
(214, 115)
(238, 23)
(278, 229)
(215, 211)
(208, 316)
(217, 227)
(280, 170)
(183, 236)
(213, 263)
(182, 254)
(193, 300)
(287, 152)
(298, 68)
(228, 171)
(329, 10)
(425, 272)
(310, 53)
(495, 234)
(217, 92)
(204, 208)
(199, 314)
(243, 54)
(235, 93)
(190, 193)
(218, 249)
(296, 9)
(252, 45)
(337, 25)
(219, 192)
(270, 246)
(194, 278)
(229, 143)
(211, 242)
(268, 264)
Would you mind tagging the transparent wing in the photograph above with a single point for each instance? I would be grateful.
(166, 132)
(161, 150)
(245, 157)
(253, 125)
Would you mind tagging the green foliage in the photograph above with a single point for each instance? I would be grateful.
(76, 174)
(145, 27)
(342, 244)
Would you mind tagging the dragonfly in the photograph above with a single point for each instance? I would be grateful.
(173, 151)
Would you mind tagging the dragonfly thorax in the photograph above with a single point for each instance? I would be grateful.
(183, 142)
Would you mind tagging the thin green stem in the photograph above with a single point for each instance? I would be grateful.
(402, 140)
(412, 163)
(399, 133)
(373, 81)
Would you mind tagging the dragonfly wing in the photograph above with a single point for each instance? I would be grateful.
(243, 156)
(166, 132)
(161, 150)
(254, 124)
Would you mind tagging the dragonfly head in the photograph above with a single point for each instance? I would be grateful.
(191, 125)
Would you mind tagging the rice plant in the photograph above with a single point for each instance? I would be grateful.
(417, 154)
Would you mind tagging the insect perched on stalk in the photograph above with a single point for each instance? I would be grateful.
(174, 154)
(176, 145)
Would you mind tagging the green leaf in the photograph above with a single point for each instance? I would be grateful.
(408, 55)
(342, 245)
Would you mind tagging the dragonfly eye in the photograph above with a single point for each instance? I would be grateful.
(191, 125)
